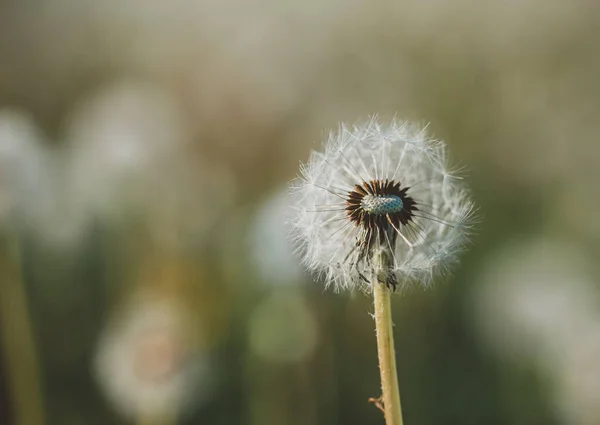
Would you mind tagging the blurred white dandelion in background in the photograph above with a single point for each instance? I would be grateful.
(380, 188)
(537, 301)
(20, 157)
(129, 153)
(120, 142)
(271, 248)
(577, 380)
(20, 144)
(146, 363)
(35, 184)
(535, 297)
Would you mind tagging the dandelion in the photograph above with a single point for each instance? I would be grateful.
(271, 249)
(375, 190)
(537, 301)
(145, 363)
(377, 210)
(20, 160)
(120, 139)
(129, 156)
(32, 185)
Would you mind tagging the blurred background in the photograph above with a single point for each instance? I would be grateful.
(145, 149)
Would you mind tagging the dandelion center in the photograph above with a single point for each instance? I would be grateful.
(380, 205)
(382, 209)
(383, 204)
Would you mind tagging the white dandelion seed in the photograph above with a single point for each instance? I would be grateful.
(380, 189)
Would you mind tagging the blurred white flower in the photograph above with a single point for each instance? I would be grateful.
(129, 154)
(380, 189)
(536, 300)
(578, 380)
(20, 159)
(19, 143)
(271, 247)
(120, 142)
(33, 184)
(145, 362)
(535, 297)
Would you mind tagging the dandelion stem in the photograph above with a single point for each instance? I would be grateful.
(385, 344)
(18, 338)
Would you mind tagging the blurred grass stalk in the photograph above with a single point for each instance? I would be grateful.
(22, 363)
(385, 346)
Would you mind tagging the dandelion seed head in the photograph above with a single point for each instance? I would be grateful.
(374, 189)
(145, 363)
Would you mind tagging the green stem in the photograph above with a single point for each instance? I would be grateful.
(385, 346)
(18, 339)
